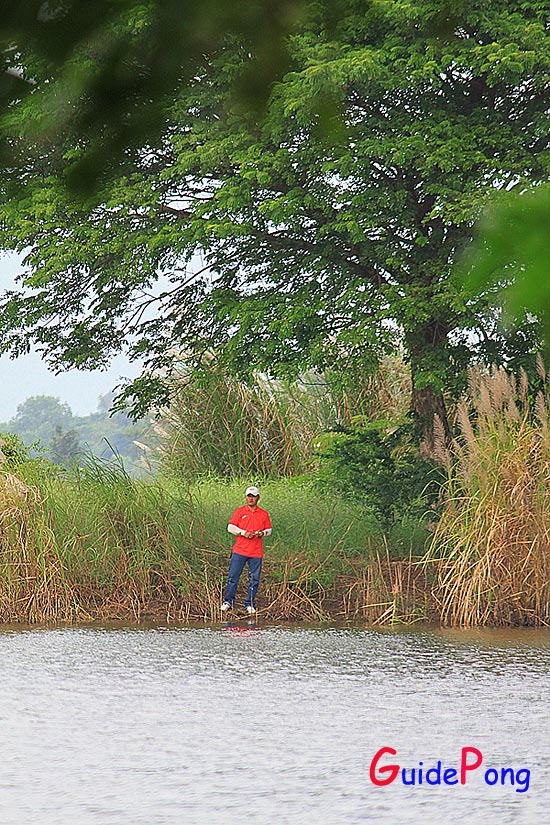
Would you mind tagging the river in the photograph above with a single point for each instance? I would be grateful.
(158, 726)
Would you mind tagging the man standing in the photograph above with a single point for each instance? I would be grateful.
(249, 524)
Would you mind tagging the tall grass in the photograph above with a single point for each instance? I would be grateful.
(217, 425)
(33, 578)
(492, 544)
(98, 545)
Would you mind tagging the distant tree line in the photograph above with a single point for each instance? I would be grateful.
(48, 426)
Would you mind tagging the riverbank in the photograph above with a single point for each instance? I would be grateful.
(99, 546)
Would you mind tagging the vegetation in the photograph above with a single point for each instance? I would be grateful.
(492, 544)
(13, 452)
(106, 72)
(102, 545)
(511, 252)
(217, 425)
(312, 251)
(95, 543)
(379, 463)
(47, 426)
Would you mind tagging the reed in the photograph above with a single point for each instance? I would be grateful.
(33, 579)
(491, 547)
(98, 545)
(218, 425)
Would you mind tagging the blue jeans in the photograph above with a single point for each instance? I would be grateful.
(236, 567)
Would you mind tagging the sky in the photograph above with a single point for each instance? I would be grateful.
(30, 375)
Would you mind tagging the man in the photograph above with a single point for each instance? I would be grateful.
(249, 524)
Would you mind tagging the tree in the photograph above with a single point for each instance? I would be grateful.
(64, 446)
(107, 434)
(328, 227)
(105, 69)
(50, 422)
(38, 417)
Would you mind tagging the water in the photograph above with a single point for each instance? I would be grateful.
(210, 725)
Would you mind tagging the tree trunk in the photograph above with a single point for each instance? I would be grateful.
(428, 354)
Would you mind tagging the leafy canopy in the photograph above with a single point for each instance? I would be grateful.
(511, 251)
(326, 228)
(106, 71)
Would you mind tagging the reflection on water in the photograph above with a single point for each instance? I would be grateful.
(265, 725)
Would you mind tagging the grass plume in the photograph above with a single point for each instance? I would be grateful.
(491, 547)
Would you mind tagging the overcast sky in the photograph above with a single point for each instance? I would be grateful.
(29, 375)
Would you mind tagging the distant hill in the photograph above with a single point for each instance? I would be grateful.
(48, 426)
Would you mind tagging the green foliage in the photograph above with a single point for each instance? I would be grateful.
(46, 425)
(379, 463)
(109, 435)
(511, 253)
(314, 251)
(13, 450)
(106, 70)
(38, 418)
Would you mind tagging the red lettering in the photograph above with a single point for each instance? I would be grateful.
(469, 766)
(392, 770)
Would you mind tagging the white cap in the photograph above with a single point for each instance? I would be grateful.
(252, 491)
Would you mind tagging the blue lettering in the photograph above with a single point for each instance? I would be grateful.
(437, 775)
(523, 779)
(450, 776)
(520, 778)
(491, 776)
(433, 775)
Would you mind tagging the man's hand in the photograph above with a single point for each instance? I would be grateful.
(249, 535)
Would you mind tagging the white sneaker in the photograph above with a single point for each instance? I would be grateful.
(225, 607)
(250, 610)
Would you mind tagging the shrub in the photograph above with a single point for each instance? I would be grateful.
(13, 450)
(379, 462)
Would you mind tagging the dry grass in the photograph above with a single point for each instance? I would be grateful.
(492, 544)
(33, 580)
(387, 592)
(105, 547)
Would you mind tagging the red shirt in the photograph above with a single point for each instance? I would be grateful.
(250, 520)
